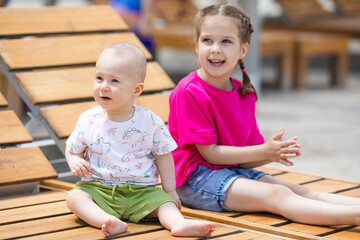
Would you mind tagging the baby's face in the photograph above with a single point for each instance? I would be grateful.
(115, 83)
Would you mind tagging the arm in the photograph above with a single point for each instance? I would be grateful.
(274, 150)
(77, 163)
(165, 164)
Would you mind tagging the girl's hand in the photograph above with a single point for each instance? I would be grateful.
(176, 198)
(280, 151)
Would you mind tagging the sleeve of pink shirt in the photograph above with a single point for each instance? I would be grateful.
(194, 126)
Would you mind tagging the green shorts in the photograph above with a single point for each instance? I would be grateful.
(127, 202)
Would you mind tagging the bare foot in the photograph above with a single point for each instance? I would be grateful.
(113, 226)
(193, 228)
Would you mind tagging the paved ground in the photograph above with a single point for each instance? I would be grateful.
(327, 122)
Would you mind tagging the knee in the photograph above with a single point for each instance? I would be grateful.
(73, 197)
(303, 191)
(279, 192)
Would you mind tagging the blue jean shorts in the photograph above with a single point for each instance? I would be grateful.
(206, 188)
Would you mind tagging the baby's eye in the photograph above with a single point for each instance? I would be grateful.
(226, 41)
(114, 81)
(99, 78)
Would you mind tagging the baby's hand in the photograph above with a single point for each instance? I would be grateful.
(280, 151)
(79, 167)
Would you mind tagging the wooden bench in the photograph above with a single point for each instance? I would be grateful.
(45, 216)
(56, 65)
(294, 48)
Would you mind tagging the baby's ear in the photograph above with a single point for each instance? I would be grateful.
(138, 89)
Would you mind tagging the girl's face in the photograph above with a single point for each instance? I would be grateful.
(219, 49)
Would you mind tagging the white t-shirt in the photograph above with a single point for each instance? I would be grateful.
(121, 152)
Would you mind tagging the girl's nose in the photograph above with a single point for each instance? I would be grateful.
(215, 49)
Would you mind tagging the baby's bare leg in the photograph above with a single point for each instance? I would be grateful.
(171, 218)
(83, 206)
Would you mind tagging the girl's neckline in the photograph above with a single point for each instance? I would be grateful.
(213, 88)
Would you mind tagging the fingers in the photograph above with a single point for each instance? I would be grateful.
(80, 168)
(277, 136)
(286, 162)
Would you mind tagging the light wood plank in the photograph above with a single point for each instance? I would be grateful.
(61, 50)
(76, 83)
(311, 229)
(330, 185)
(39, 226)
(22, 21)
(31, 212)
(11, 129)
(32, 199)
(351, 234)
(63, 126)
(297, 178)
(20, 165)
(3, 102)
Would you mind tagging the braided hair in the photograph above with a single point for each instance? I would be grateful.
(242, 21)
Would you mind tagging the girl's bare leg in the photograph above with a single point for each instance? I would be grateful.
(249, 195)
(83, 206)
(171, 218)
(305, 192)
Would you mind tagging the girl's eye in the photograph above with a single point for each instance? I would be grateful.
(206, 40)
(226, 41)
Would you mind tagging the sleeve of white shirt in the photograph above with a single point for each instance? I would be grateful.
(163, 143)
(75, 143)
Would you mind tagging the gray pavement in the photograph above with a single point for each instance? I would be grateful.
(326, 121)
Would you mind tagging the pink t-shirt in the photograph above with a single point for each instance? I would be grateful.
(203, 114)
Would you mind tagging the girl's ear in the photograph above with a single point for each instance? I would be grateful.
(138, 89)
(244, 49)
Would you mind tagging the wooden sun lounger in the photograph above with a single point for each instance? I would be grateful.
(45, 216)
(55, 66)
(280, 226)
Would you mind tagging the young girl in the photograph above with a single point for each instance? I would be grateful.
(212, 119)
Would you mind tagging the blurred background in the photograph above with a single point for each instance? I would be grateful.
(304, 61)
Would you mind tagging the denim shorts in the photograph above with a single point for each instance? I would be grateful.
(206, 188)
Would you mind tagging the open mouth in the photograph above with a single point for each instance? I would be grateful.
(217, 63)
(105, 98)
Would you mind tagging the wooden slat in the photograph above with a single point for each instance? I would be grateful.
(320, 230)
(27, 200)
(31, 212)
(3, 102)
(63, 126)
(247, 224)
(44, 86)
(22, 21)
(35, 227)
(330, 185)
(351, 234)
(11, 129)
(61, 50)
(297, 178)
(20, 165)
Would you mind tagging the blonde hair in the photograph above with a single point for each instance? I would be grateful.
(242, 21)
(131, 51)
